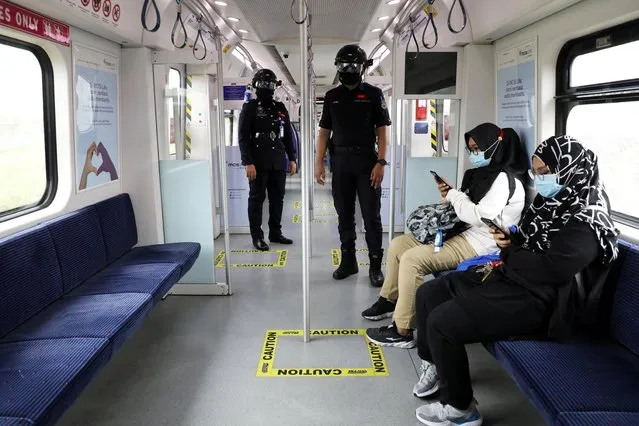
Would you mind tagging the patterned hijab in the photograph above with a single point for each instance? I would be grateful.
(583, 198)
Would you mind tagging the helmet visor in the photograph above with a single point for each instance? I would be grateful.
(350, 67)
(270, 85)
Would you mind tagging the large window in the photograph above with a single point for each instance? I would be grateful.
(598, 103)
(27, 129)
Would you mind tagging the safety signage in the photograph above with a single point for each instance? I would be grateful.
(27, 21)
(265, 368)
(282, 256)
(336, 257)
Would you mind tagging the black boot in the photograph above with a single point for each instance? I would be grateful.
(375, 274)
(347, 266)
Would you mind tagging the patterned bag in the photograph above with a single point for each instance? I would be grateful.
(424, 222)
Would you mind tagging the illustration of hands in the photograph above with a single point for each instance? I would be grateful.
(88, 167)
(107, 164)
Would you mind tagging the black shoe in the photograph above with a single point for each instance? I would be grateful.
(381, 309)
(375, 274)
(260, 245)
(280, 240)
(388, 336)
(348, 265)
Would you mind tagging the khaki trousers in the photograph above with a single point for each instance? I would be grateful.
(408, 262)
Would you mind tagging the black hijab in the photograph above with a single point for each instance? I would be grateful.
(507, 155)
(583, 198)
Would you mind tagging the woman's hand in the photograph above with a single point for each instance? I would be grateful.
(502, 240)
(443, 189)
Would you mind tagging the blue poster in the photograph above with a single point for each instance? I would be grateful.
(97, 154)
(516, 91)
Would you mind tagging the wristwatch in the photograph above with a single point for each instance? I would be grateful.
(382, 162)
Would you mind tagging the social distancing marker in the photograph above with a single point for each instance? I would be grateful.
(336, 256)
(282, 256)
(297, 218)
(265, 367)
(318, 205)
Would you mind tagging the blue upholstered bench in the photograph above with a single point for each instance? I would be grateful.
(72, 291)
(587, 380)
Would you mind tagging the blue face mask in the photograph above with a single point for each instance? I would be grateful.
(547, 187)
(479, 160)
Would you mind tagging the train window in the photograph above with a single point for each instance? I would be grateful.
(597, 102)
(231, 122)
(173, 108)
(28, 177)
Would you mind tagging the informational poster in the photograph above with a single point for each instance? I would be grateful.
(97, 151)
(385, 210)
(238, 188)
(517, 91)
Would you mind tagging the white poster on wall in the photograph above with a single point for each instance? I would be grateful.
(517, 91)
(97, 151)
(238, 188)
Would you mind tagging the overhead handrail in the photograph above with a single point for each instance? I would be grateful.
(145, 11)
(199, 37)
(412, 34)
(305, 17)
(464, 15)
(178, 20)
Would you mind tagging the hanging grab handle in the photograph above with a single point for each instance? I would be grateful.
(179, 21)
(431, 19)
(412, 36)
(145, 11)
(464, 16)
(199, 38)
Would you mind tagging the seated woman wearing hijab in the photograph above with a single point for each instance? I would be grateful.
(566, 233)
(493, 190)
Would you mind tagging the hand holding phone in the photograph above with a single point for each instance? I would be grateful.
(501, 242)
(438, 178)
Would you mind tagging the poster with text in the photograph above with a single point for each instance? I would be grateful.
(238, 188)
(97, 151)
(517, 91)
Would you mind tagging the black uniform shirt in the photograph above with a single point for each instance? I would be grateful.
(354, 115)
(265, 136)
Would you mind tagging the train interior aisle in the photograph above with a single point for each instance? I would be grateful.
(194, 361)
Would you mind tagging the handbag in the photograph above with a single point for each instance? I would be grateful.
(426, 221)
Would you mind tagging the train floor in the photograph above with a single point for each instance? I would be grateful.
(195, 360)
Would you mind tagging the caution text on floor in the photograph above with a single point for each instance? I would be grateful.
(336, 257)
(282, 256)
(265, 368)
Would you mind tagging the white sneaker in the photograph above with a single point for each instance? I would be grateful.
(428, 380)
(436, 414)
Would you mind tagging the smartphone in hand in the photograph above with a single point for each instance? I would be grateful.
(438, 178)
(494, 226)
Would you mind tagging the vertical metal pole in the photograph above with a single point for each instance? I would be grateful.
(221, 143)
(392, 142)
(311, 144)
(405, 120)
(439, 119)
(306, 170)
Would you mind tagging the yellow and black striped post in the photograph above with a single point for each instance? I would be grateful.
(189, 112)
(433, 127)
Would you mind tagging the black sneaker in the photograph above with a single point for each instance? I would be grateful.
(381, 309)
(388, 336)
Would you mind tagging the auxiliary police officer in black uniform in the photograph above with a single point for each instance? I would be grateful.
(356, 115)
(266, 140)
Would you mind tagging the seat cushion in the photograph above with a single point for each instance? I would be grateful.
(624, 321)
(183, 253)
(79, 244)
(597, 418)
(14, 421)
(575, 376)
(118, 225)
(42, 378)
(30, 277)
(109, 316)
(155, 279)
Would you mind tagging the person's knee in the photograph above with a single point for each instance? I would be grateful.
(440, 321)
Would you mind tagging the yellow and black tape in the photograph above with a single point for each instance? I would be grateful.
(265, 367)
(433, 128)
(189, 114)
(318, 205)
(282, 257)
(336, 257)
(297, 218)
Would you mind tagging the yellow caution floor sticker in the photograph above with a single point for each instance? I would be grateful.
(336, 257)
(282, 256)
(297, 218)
(318, 205)
(378, 367)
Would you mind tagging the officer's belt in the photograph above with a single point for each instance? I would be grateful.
(354, 149)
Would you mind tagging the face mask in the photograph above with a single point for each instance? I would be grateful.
(264, 93)
(547, 187)
(479, 159)
(349, 78)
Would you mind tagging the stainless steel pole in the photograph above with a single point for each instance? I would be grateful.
(306, 169)
(393, 142)
(221, 143)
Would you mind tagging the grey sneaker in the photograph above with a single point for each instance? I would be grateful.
(428, 380)
(436, 414)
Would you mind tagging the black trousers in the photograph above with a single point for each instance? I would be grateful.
(459, 309)
(275, 183)
(351, 178)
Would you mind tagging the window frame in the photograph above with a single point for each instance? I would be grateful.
(49, 124)
(612, 92)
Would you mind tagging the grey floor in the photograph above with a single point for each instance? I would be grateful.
(194, 361)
